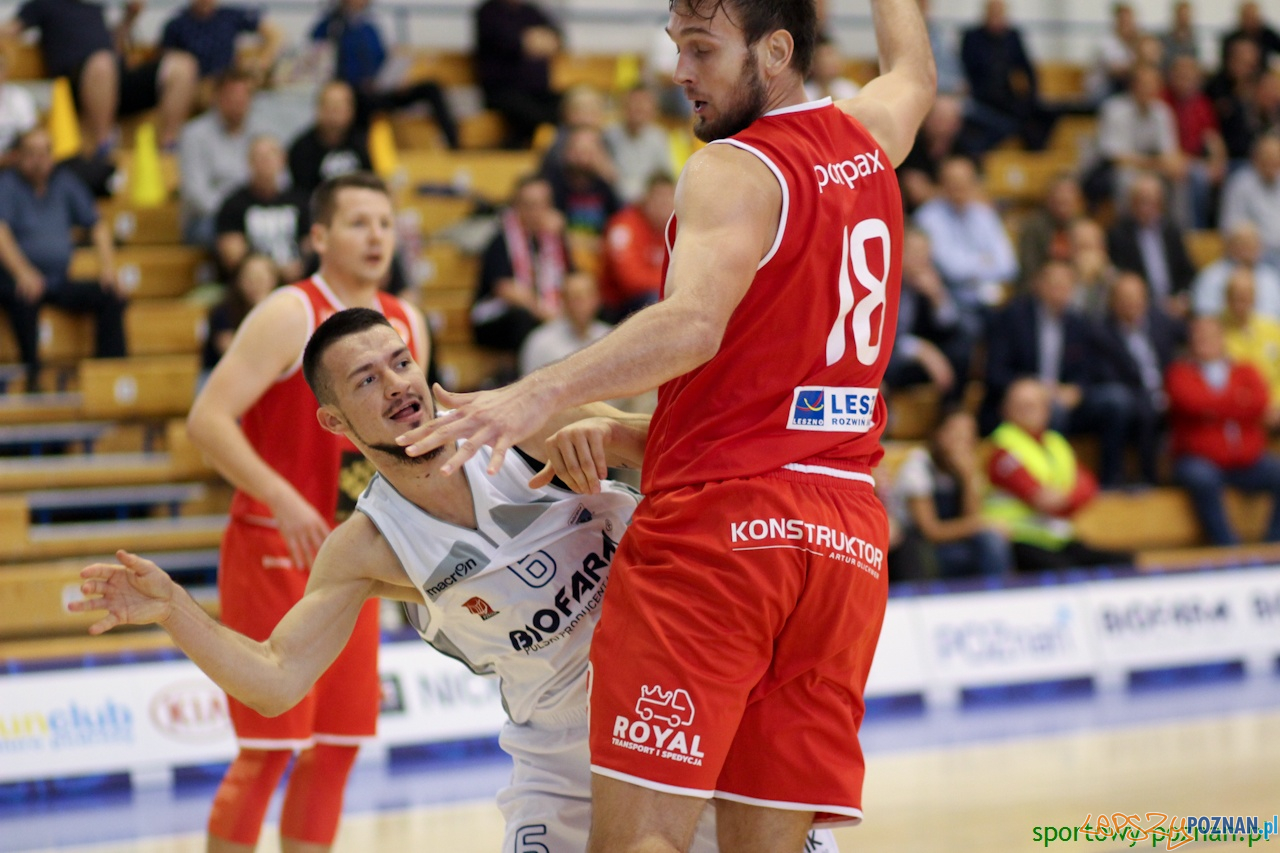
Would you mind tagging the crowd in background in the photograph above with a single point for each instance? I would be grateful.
(1081, 324)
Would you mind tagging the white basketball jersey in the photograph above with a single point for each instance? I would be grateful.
(519, 596)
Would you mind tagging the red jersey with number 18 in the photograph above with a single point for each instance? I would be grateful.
(796, 382)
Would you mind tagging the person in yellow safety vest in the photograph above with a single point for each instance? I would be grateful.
(1038, 485)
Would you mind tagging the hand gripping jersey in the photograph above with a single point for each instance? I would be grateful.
(519, 596)
(281, 425)
(796, 380)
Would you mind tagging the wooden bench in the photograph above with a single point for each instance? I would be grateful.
(484, 130)
(34, 596)
(467, 367)
(37, 435)
(38, 408)
(165, 327)
(450, 269)
(598, 71)
(446, 68)
(491, 175)
(43, 503)
(22, 540)
(148, 272)
(1061, 81)
(1162, 519)
(142, 387)
(1204, 247)
(913, 412)
(1074, 136)
(435, 212)
(1023, 177)
(149, 226)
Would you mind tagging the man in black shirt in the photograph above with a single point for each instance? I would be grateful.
(333, 146)
(76, 44)
(263, 217)
(515, 42)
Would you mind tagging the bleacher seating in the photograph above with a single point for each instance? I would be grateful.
(147, 272)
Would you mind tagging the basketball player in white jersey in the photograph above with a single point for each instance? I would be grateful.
(505, 573)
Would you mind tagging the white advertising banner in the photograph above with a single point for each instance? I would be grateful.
(141, 718)
(1005, 637)
(897, 669)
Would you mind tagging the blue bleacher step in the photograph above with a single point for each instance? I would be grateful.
(111, 496)
(71, 431)
(122, 530)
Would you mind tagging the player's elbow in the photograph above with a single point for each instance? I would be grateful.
(702, 337)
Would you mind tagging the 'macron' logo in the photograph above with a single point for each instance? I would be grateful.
(673, 707)
(480, 607)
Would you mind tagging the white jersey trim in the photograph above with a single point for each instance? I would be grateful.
(854, 815)
(652, 786)
(830, 472)
(800, 108)
(268, 743)
(786, 195)
(343, 740)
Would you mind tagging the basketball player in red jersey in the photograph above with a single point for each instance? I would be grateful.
(747, 596)
(255, 421)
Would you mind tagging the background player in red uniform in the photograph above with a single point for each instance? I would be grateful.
(748, 594)
(255, 421)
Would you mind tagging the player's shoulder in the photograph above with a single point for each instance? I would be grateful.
(721, 174)
(356, 549)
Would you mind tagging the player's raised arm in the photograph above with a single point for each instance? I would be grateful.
(272, 676)
(892, 106)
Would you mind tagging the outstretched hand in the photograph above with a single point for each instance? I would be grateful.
(576, 454)
(499, 419)
(132, 592)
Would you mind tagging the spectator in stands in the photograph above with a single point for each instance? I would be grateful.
(263, 216)
(943, 488)
(935, 338)
(39, 207)
(581, 106)
(213, 156)
(580, 186)
(1253, 195)
(1146, 241)
(76, 44)
(1136, 133)
(1181, 38)
(359, 58)
(17, 113)
(515, 43)
(334, 145)
(638, 145)
(635, 250)
(1002, 84)
(1045, 234)
(208, 31)
(1218, 412)
(1117, 53)
(1231, 91)
(1251, 337)
(253, 281)
(1251, 27)
(939, 139)
(1043, 336)
(1094, 270)
(946, 55)
(1138, 342)
(576, 326)
(1243, 250)
(522, 271)
(1199, 138)
(1038, 484)
(970, 246)
(826, 77)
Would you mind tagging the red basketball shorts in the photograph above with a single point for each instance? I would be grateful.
(735, 640)
(257, 584)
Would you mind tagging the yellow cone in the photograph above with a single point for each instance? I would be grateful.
(382, 149)
(64, 125)
(626, 74)
(146, 179)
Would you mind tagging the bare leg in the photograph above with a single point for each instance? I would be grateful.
(222, 845)
(99, 98)
(178, 79)
(752, 829)
(627, 818)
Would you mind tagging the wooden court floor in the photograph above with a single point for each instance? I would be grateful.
(975, 798)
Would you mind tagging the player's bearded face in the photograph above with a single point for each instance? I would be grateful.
(745, 103)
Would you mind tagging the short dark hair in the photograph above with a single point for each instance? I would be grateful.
(324, 201)
(352, 321)
(759, 18)
(233, 75)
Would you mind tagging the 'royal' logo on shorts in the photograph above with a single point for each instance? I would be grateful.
(823, 408)
(662, 713)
